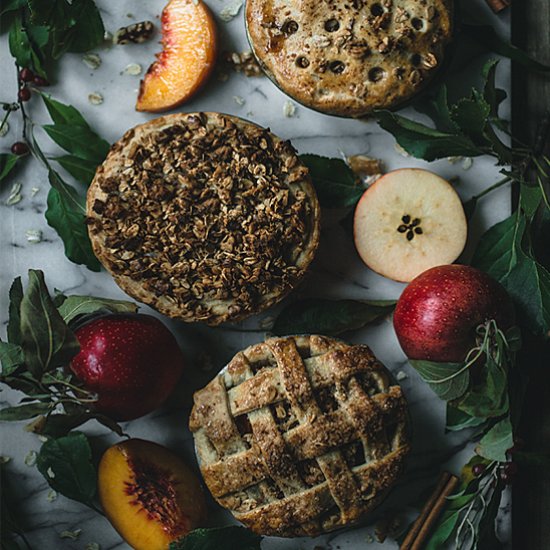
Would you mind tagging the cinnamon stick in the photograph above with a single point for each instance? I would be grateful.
(498, 5)
(429, 514)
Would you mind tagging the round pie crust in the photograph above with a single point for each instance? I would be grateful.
(203, 216)
(301, 435)
(350, 57)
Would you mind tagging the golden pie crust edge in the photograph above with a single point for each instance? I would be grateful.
(227, 466)
(359, 89)
(160, 303)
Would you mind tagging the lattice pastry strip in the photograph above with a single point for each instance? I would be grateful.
(276, 454)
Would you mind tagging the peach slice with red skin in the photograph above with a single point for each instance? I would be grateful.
(189, 41)
(148, 494)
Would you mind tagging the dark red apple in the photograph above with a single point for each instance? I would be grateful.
(437, 315)
(132, 362)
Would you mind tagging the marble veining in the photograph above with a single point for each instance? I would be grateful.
(337, 272)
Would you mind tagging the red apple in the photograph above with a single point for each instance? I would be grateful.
(437, 314)
(132, 362)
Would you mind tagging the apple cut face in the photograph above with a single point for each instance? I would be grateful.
(407, 222)
(187, 59)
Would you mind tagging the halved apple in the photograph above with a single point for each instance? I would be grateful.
(189, 41)
(148, 494)
(408, 221)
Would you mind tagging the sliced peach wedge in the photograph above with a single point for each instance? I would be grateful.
(189, 41)
(148, 494)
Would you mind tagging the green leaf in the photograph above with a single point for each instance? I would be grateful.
(459, 420)
(11, 357)
(331, 317)
(63, 114)
(12, 5)
(529, 285)
(335, 183)
(447, 380)
(494, 444)
(24, 412)
(488, 398)
(496, 252)
(493, 96)
(530, 199)
(66, 215)
(75, 305)
(11, 522)
(14, 323)
(228, 538)
(69, 459)
(88, 30)
(20, 47)
(78, 140)
(81, 169)
(486, 35)
(437, 108)
(24, 42)
(470, 115)
(7, 164)
(47, 341)
(55, 13)
(424, 142)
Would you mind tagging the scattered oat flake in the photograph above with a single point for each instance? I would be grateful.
(401, 375)
(4, 128)
(4, 459)
(108, 36)
(42, 438)
(34, 191)
(289, 109)
(369, 538)
(92, 60)
(15, 195)
(401, 151)
(133, 69)
(267, 322)
(95, 98)
(230, 11)
(50, 473)
(92, 546)
(239, 100)
(467, 163)
(51, 496)
(73, 535)
(454, 160)
(34, 236)
(30, 458)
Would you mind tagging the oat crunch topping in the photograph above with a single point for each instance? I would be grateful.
(204, 216)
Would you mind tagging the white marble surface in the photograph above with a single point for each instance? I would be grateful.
(337, 272)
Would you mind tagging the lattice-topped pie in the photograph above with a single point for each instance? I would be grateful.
(204, 216)
(350, 57)
(300, 435)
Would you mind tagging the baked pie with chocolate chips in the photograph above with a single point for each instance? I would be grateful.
(300, 435)
(203, 216)
(349, 58)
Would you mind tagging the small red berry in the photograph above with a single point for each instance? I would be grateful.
(39, 81)
(26, 75)
(508, 472)
(478, 469)
(24, 94)
(19, 148)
